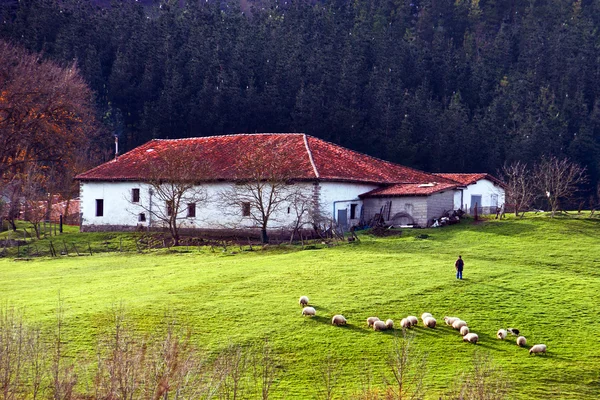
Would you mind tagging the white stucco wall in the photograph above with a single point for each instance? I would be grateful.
(119, 211)
(334, 196)
(486, 189)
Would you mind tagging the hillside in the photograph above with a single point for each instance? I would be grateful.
(536, 274)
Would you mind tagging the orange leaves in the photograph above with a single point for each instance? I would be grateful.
(46, 112)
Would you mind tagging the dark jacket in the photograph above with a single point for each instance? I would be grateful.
(459, 264)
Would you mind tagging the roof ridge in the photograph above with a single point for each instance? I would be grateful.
(310, 156)
(370, 156)
(231, 135)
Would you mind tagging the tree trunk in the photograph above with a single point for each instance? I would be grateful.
(263, 235)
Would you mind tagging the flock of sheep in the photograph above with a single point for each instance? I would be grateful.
(429, 322)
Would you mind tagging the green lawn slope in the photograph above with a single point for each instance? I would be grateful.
(537, 274)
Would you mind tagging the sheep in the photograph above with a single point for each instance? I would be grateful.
(459, 324)
(471, 338)
(405, 323)
(338, 320)
(538, 348)
(430, 322)
(371, 320)
(513, 331)
(464, 330)
(412, 319)
(310, 311)
(303, 301)
(379, 326)
(389, 324)
(521, 341)
(450, 320)
(425, 315)
(501, 334)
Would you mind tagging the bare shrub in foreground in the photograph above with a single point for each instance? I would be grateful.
(485, 382)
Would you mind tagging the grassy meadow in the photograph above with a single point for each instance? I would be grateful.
(537, 274)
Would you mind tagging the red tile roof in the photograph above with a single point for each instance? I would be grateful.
(410, 189)
(306, 157)
(468, 179)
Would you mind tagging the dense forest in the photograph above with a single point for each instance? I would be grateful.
(440, 85)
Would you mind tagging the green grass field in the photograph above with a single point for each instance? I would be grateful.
(538, 274)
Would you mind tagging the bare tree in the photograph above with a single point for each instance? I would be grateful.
(485, 382)
(330, 372)
(557, 179)
(35, 198)
(302, 207)
(174, 180)
(263, 191)
(408, 371)
(520, 191)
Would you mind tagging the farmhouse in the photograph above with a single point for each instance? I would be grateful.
(342, 184)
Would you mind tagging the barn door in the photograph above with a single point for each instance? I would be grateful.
(342, 219)
(476, 200)
(494, 203)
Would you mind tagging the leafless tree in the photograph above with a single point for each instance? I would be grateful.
(263, 191)
(520, 190)
(330, 372)
(408, 371)
(302, 208)
(174, 179)
(35, 197)
(485, 382)
(264, 368)
(557, 179)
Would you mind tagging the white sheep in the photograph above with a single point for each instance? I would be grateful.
(459, 324)
(303, 301)
(310, 311)
(379, 326)
(430, 322)
(538, 348)
(425, 315)
(405, 323)
(371, 320)
(521, 341)
(464, 330)
(338, 320)
(471, 338)
(450, 320)
(413, 320)
(501, 334)
(389, 324)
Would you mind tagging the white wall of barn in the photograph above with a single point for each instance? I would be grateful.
(492, 196)
(336, 196)
(120, 211)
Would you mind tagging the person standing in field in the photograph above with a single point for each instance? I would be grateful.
(459, 265)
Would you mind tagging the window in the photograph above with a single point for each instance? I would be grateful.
(353, 211)
(169, 208)
(135, 195)
(142, 217)
(99, 207)
(246, 209)
(191, 210)
(289, 210)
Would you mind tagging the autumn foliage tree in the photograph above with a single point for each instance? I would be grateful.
(47, 120)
